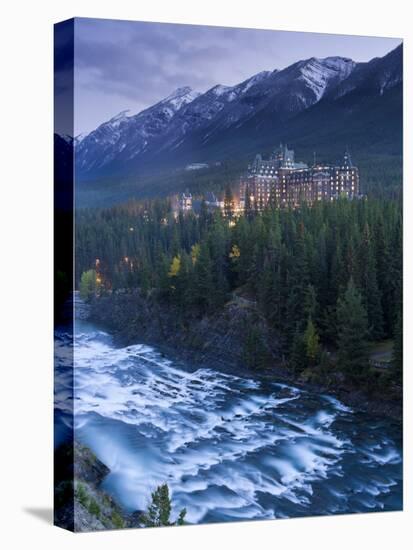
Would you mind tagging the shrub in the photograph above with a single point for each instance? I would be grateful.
(81, 495)
(117, 520)
(94, 508)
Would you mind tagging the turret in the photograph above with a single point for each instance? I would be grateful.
(347, 163)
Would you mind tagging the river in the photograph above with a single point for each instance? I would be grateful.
(229, 447)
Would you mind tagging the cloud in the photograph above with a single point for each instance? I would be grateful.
(145, 60)
(126, 64)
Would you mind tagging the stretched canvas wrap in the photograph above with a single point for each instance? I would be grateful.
(228, 274)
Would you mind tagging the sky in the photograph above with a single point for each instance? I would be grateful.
(131, 65)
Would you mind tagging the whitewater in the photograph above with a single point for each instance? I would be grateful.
(229, 447)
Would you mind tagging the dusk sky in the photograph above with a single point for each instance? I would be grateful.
(131, 65)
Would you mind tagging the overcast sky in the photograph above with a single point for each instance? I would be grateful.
(131, 65)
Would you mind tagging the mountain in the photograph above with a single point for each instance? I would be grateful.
(362, 111)
(322, 104)
(171, 123)
(376, 76)
(63, 160)
(280, 94)
(124, 137)
(63, 155)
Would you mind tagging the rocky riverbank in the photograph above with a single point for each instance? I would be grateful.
(220, 338)
(220, 341)
(80, 503)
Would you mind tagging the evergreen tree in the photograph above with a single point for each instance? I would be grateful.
(244, 242)
(396, 268)
(219, 259)
(228, 204)
(352, 332)
(88, 285)
(384, 274)
(370, 286)
(310, 302)
(298, 356)
(203, 288)
(269, 292)
(159, 510)
(181, 517)
(175, 267)
(297, 283)
(397, 358)
(249, 207)
(312, 342)
(184, 283)
(163, 270)
(320, 277)
(337, 277)
(255, 353)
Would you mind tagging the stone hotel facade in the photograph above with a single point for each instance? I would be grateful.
(287, 183)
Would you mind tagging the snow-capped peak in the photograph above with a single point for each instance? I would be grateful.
(219, 90)
(80, 137)
(68, 139)
(116, 120)
(179, 92)
(319, 74)
(232, 92)
(180, 97)
(247, 84)
(120, 116)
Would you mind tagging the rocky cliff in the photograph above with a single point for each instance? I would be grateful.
(220, 338)
(80, 503)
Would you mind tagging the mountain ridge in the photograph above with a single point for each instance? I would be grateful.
(224, 121)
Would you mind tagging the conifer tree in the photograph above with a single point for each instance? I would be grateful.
(88, 284)
(352, 332)
(397, 358)
(384, 274)
(175, 266)
(162, 270)
(184, 282)
(249, 208)
(228, 204)
(255, 353)
(203, 283)
(397, 268)
(312, 342)
(159, 510)
(310, 302)
(219, 259)
(370, 286)
(298, 355)
(297, 282)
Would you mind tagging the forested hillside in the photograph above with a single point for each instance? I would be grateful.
(324, 278)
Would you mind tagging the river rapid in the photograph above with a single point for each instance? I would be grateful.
(229, 447)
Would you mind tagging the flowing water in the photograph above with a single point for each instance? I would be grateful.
(229, 447)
